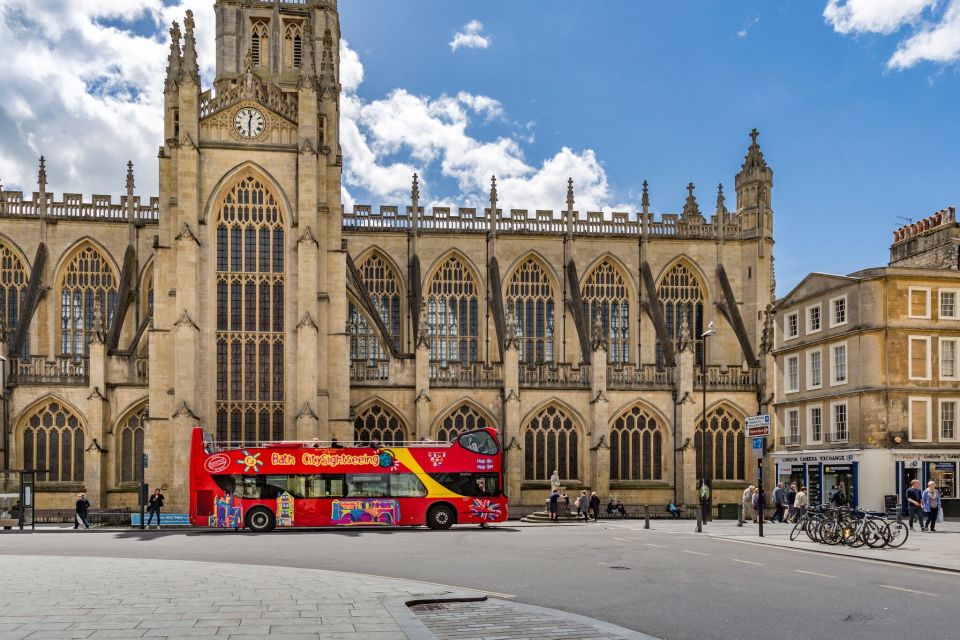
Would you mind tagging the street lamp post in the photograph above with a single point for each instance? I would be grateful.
(704, 496)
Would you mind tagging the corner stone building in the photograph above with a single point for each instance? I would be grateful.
(246, 300)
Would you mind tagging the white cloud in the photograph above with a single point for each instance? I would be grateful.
(874, 16)
(742, 33)
(934, 31)
(471, 37)
(83, 89)
(87, 95)
(386, 140)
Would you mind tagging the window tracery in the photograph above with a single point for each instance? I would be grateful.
(681, 297)
(605, 295)
(453, 313)
(530, 297)
(13, 288)
(464, 418)
(378, 423)
(250, 279)
(551, 443)
(383, 287)
(88, 278)
(131, 445)
(260, 44)
(636, 446)
(723, 440)
(53, 443)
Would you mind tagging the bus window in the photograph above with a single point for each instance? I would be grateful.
(474, 485)
(478, 442)
(325, 486)
(406, 485)
(365, 485)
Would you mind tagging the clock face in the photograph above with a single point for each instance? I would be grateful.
(249, 122)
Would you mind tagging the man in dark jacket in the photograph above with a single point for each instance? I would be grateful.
(155, 504)
(83, 508)
(595, 506)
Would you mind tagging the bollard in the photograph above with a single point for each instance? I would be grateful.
(699, 521)
(740, 515)
(646, 516)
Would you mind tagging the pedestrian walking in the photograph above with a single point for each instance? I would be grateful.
(554, 502)
(791, 497)
(915, 505)
(838, 496)
(583, 506)
(800, 502)
(595, 506)
(779, 503)
(156, 503)
(747, 501)
(931, 505)
(83, 508)
(757, 512)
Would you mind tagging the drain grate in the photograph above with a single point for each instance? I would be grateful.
(428, 607)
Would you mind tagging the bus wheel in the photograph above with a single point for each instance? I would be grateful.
(260, 520)
(440, 517)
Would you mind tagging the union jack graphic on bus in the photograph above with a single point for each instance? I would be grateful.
(485, 509)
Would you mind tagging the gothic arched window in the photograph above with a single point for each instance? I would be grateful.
(463, 418)
(250, 312)
(293, 45)
(377, 423)
(131, 445)
(383, 286)
(636, 446)
(453, 306)
(605, 294)
(260, 44)
(13, 288)
(53, 443)
(724, 443)
(88, 278)
(551, 443)
(146, 295)
(530, 297)
(681, 296)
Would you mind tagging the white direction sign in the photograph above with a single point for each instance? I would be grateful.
(758, 426)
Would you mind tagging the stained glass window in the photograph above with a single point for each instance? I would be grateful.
(53, 444)
(636, 446)
(551, 443)
(452, 313)
(682, 298)
(530, 297)
(87, 278)
(605, 294)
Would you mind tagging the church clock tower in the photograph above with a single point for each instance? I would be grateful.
(249, 335)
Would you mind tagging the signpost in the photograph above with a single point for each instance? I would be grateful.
(758, 428)
(144, 490)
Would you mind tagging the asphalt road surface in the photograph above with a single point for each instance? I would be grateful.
(669, 586)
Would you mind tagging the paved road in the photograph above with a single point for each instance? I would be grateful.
(664, 584)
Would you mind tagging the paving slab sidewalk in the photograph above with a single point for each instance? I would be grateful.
(74, 597)
(939, 550)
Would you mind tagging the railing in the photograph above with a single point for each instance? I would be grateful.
(790, 441)
(457, 374)
(551, 375)
(542, 222)
(643, 376)
(39, 370)
(369, 370)
(732, 378)
(837, 436)
(72, 207)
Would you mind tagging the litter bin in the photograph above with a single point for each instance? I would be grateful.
(727, 511)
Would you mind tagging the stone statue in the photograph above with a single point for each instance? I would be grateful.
(555, 481)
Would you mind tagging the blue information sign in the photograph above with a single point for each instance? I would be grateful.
(758, 443)
(166, 519)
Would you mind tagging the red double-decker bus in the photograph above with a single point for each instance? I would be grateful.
(313, 484)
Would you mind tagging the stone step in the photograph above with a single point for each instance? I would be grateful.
(543, 516)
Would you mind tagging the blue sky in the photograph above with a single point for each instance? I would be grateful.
(857, 109)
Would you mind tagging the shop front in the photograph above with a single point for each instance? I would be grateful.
(823, 472)
(926, 465)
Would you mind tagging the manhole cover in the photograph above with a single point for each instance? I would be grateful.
(618, 567)
(428, 607)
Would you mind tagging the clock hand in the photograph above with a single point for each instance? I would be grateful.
(250, 124)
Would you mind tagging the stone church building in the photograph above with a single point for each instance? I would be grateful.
(246, 300)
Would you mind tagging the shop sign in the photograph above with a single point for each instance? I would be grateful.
(814, 458)
(944, 466)
(926, 456)
(838, 468)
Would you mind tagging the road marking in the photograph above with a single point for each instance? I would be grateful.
(922, 593)
(841, 556)
(813, 573)
(758, 564)
(658, 546)
(625, 539)
(696, 553)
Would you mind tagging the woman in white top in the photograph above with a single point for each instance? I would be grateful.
(800, 502)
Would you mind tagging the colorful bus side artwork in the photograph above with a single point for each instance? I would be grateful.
(309, 484)
(382, 512)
